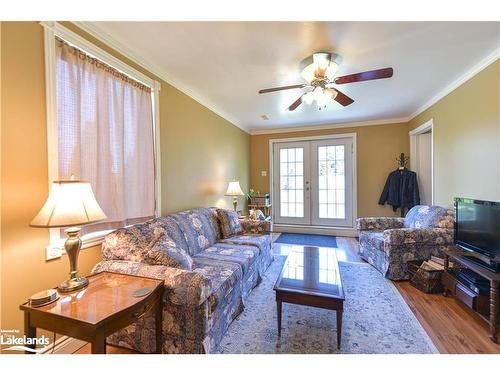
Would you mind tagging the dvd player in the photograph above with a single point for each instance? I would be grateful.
(473, 281)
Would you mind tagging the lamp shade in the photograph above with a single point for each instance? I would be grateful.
(234, 189)
(70, 202)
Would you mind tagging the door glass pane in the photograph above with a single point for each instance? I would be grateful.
(292, 182)
(331, 183)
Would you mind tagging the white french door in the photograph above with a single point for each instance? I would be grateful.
(313, 182)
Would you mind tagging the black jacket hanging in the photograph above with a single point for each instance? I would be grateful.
(401, 189)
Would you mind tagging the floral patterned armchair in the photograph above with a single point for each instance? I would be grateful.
(387, 243)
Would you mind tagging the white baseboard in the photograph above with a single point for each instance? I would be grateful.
(64, 345)
(303, 229)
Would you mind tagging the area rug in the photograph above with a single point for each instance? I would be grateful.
(376, 320)
(307, 239)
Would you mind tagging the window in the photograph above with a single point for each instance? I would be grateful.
(102, 129)
(292, 182)
(331, 197)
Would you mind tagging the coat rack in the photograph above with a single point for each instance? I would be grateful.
(403, 160)
(402, 164)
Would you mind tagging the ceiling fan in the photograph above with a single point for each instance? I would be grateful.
(319, 71)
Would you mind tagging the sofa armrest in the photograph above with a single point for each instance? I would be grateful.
(423, 236)
(255, 226)
(379, 223)
(182, 287)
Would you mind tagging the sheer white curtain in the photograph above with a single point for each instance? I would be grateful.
(105, 125)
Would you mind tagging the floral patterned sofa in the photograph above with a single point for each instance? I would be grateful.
(207, 281)
(387, 243)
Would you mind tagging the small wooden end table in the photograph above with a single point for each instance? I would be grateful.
(105, 306)
(300, 282)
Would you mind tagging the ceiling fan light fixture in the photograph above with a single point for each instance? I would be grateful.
(331, 70)
(321, 101)
(308, 98)
(318, 93)
(320, 65)
(308, 73)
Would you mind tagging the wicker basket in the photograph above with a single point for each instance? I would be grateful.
(425, 280)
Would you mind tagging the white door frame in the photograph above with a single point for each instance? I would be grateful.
(344, 231)
(424, 128)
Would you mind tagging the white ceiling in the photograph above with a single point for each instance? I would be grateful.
(224, 64)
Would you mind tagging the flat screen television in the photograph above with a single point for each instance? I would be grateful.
(477, 228)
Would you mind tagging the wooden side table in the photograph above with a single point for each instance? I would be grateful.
(105, 306)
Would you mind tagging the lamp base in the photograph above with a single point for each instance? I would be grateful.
(72, 246)
(75, 283)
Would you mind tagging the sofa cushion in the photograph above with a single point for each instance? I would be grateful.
(167, 225)
(223, 276)
(229, 223)
(199, 228)
(130, 243)
(243, 255)
(263, 242)
(165, 252)
(429, 217)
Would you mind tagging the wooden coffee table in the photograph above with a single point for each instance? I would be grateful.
(311, 277)
(105, 306)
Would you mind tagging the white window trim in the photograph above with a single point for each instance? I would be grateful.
(51, 30)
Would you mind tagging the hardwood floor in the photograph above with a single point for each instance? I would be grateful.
(452, 327)
(449, 324)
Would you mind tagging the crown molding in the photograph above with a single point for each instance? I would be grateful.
(484, 63)
(99, 34)
(330, 126)
(104, 37)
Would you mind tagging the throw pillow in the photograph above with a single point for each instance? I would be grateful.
(166, 253)
(229, 222)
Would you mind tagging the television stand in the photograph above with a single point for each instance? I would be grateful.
(478, 303)
(495, 267)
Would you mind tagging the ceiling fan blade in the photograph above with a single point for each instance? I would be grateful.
(295, 104)
(342, 98)
(365, 76)
(263, 91)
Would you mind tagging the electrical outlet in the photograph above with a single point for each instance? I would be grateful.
(263, 173)
(53, 252)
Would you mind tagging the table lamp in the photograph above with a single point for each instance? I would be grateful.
(70, 203)
(234, 190)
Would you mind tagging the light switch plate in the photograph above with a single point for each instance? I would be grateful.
(53, 252)
(263, 173)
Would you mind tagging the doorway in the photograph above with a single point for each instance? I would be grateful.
(421, 160)
(313, 181)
